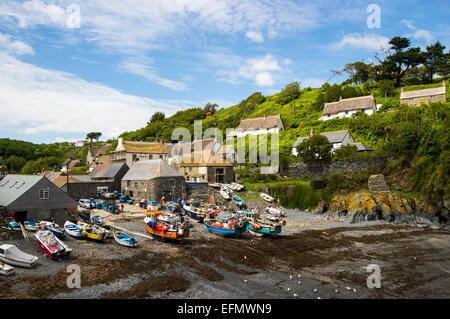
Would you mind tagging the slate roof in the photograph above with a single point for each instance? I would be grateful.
(421, 93)
(333, 137)
(13, 186)
(361, 147)
(149, 169)
(352, 104)
(106, 171)
(260, 123)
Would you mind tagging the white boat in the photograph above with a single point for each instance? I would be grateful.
(215, 185)
(73, 230)
(11, 255)
(237, 187)
(225, 192)
(124, 239)
(275, 211)
(266, 197)
(6, 270)
(51, 245)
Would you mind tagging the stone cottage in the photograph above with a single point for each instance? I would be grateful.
(418, 97)
(153, 179)
(130, 152)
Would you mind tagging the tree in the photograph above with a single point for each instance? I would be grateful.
(435, 60)
(387, 87)
(289, 93)
(93, 136)
(315, 148)
(15, 163)
(358, 72)
(157, 117)
(210, 108)
(397, 64)
(346, 152)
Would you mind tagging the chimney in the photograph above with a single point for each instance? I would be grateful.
(311, 133)
(371, 94)
(403, 90)
(265, 116)
(443, 83)
(340, 98)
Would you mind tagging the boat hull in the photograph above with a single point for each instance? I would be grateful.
(96, 237)
(63, 254)
(18, 263)
(226, 231)
(124, 242)
(265, 230)
(167, 234)
(199, 218)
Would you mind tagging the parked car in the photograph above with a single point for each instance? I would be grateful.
(108, 195)
(86, 203)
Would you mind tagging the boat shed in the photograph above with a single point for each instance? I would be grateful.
(153, 179)
(34, 196)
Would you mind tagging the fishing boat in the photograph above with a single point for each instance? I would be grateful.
(14, 226)
(94, 232)
(51, 245)
(73, 230)
(124, 239)
(262, 226)
(12, 255)
(167, 225)
(225, 192)
(197, 212)
(54, 228)
(6, 270)
(153, 205)
(266, 197)
(227, 226)
(239, 202)
(31, 225)
(97, 220)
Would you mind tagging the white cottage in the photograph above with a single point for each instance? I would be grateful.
(258, 126)
(348, 107)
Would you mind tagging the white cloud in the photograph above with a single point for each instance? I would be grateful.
(14, 46)
(262, 70)
(142, 68)
(255, 36)
(42, 101)
(142, 24)
(419, 33)
(367, 41)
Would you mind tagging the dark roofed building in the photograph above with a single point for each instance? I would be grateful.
(69, 163)
(95, 152)
(34, 196)
(337, 139)
(348, 107)
(153, 179)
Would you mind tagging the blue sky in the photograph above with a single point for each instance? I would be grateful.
(71, 67)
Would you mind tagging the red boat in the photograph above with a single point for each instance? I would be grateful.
(51, 245)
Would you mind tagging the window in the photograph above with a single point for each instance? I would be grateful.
(150, 156)
(411, 100)
(433, 97)
(44, 193)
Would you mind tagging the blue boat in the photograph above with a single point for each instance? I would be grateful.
(258, 229)
(239, 202)
(227, 226)
(97, 220)
(194, 211)
(54, 228)
(14, 226)
(124, 239)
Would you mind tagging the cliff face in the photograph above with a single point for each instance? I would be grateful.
(389, 207)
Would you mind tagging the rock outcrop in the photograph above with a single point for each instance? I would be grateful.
(389, 207)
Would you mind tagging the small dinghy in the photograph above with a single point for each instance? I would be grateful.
(31, 225)
(14, 226)
(95, 232)
(225, 192)
(51, 245)
(6, 270)
(73, 230)
(266, 197)
(124, 239)
(275, 211)
(54, 228)
(239, 202)
(97, 220)
(12, 255)
(237, 187)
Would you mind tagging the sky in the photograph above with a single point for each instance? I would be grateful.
(72, 67)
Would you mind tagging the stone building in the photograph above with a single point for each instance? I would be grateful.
(34, 196)
(348, 107)
(418, 97)
(130, 152)
(153, 179)
(94, 152)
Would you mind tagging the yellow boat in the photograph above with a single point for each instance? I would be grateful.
(95, 233)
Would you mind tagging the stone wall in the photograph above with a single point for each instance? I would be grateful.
(201, 193)
(171, 188)
(299, 169)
